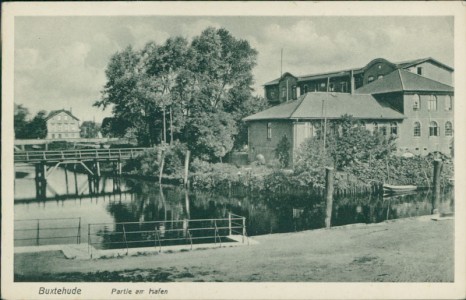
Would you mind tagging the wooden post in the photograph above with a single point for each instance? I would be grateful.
(162, 162)
(229, 223)
(436, 183)
(186, 168)
(244, 228)
(37, 235)
(329, 195)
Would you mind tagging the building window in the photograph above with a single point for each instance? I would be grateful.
(383, 129)
(448, 129)
(331, 87)
(380, 77)
(433, 129)
(419, 70)
(283, 93)
(59, 118)
(370, 79)
(53, 135)
(269, 131)
(344, 87)
(376, 127)
(294, 94)
(394, 128)
(417, 129)
(305, 89)
(432, 103)
(416, 102)
(65, 118)
(448, 102)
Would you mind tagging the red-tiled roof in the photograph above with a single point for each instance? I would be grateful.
(56, 112)
(309, 106)
(400, 81)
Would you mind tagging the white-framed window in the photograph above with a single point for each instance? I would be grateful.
(416, 102)
(448, 102)
(59, 118)
(394, 128)
(417, 129)
(380, 76)
(65, 118)
(269, 130)
(433, 129)
(375, 125)
(448, 128)
(432, 103)
(370, 79)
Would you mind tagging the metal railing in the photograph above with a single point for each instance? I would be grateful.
(43, 231)
(87, 154)
(126, 235)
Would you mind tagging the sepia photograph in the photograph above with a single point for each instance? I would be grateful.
(163, 150)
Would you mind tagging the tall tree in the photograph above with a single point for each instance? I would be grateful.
(20, 121)
(90, 129)
(37, 128)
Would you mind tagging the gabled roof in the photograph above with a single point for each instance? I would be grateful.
(414, 62)
(309, 106)
(401, 81)
(276, 81)
(347, 72)
(56, 112)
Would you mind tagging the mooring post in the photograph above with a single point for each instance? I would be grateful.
(229, 223)
(437, 171)
(37, 236)
(329, 195)
(186, 168)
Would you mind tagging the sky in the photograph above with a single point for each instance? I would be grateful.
(60, 62)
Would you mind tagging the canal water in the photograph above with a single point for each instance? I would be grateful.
(70, 207)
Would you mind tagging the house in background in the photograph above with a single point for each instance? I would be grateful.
(62, 124)
(395, 99)
(289, 87)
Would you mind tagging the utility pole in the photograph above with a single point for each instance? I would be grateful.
(281, 63)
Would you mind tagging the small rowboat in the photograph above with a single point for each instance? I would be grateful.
(398, 188)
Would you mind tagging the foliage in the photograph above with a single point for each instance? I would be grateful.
(148, 162)
(282, 152)
(195, 92)
(20, 121)
(90, 129)
(33, 129)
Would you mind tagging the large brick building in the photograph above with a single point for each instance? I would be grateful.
(62, 124)
(412, 100)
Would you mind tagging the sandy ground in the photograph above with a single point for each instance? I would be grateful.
(407, 250)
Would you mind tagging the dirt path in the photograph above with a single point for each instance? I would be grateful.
(408, 250)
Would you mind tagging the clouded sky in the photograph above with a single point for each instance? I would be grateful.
(60, 61)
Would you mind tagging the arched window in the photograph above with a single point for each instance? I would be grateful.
(432, 103)
(448, 102)
(370, 79)
(416, 102)
(417, 129)
(448, 128)
(433, 129)
(269, 130)
(394, 128)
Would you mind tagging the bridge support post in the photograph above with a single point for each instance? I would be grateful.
(41, 181)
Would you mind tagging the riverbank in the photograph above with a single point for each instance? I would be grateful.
(404, 250)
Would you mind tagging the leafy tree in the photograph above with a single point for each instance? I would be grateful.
(183, 91)
(90, 129)
(37, 127)
(282, 152)
(20, 121)
(211, 134)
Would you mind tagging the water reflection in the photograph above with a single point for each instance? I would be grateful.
(140, 201)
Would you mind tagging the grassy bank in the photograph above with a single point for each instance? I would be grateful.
(405, 250)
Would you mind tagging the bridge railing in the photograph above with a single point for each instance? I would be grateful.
(87, 154)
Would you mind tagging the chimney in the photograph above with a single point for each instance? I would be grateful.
(352, 82)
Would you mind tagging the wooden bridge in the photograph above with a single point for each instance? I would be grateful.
(76, 155)
(46, 162)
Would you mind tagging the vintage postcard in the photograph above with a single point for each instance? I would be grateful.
(233, 150)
